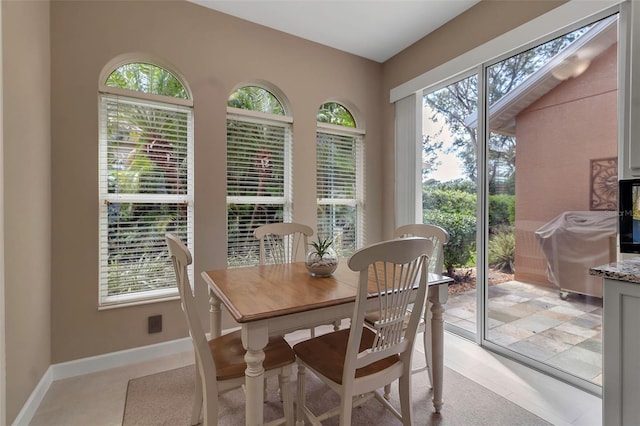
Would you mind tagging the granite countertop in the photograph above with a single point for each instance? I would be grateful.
(626, 270)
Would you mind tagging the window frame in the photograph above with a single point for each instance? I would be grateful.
(110, 94)
(257, 117)
(359, 201)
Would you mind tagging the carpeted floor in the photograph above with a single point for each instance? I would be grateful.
(166, 399)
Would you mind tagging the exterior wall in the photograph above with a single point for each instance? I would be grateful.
(27, 198)
(214, 53)
(557, 137)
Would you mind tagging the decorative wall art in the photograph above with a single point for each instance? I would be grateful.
(604, 184)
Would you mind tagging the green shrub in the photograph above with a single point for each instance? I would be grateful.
(462, 237)
(452, 206)
(448, 201)
(501, 210)
(502, 249)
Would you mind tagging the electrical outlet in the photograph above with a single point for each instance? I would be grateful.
(155, 324)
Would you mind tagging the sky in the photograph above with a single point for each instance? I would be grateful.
(450, 167)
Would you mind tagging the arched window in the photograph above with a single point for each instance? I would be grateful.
(146, 180)
(340, 178)
(258, 169)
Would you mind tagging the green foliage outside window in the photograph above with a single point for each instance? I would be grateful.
(334, 113)
(146, 155)
(502, 249)
(336, 179)
(452, 205)
(255, 98)
(454, 210)
(256, 170)
(147, 78)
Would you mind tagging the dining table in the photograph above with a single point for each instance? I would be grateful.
(269, 300)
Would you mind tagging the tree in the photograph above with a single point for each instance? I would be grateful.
(147, 78)
(334, 113)
(255, 98)
(146, 154)
(458, 101)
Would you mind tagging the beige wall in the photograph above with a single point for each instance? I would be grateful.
(27, 198)
(558, 136)
(214, 53)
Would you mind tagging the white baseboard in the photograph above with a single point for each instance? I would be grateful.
(97, 363)
(33, 402)
(94, 364)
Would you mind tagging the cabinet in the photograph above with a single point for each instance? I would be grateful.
(621, 352)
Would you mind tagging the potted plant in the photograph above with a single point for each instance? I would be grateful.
(321, 259)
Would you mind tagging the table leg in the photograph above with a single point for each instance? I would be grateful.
(254, 339)
(215, 316)
(437, 296)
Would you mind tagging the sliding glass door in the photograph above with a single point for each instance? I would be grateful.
(556, 105)
(526, 187)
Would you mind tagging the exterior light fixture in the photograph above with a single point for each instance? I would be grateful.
(572, 66)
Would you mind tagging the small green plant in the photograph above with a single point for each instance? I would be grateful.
(502, 249)
(321, 247)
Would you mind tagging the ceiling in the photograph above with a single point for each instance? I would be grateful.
(373, 29)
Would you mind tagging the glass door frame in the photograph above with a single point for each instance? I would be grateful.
(482, 225)
(483, 228)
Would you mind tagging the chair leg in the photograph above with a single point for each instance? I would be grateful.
(428, 349)
(336, 325)
(387, 391)
(404, 390)
(346, 408)
(210, 409)
(197, 402)
(301, 396)
(285, 392)
(427, 354)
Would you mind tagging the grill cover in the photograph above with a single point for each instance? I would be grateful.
(575, 241)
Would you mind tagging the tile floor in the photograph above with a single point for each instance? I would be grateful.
(534, 321)
(97, 399)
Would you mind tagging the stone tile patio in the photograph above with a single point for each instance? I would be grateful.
(534, 321)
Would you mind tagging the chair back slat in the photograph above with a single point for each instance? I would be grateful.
(389, 272)
(285, 242)
(394, 289)
(437, 235)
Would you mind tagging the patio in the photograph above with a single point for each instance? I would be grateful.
(534, 321)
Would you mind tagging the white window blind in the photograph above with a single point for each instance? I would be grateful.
(340, 188)
(258, 182)
(146, 191)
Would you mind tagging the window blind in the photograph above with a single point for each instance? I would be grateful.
(146, 188)
(258, 182)
(340, 189)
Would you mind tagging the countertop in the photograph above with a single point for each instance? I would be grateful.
(625, 270)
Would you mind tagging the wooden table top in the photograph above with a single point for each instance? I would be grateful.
(262, 292)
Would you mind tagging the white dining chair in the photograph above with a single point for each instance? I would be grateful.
(220, 364)
(439, 237)
(285, 242)
(357, 361)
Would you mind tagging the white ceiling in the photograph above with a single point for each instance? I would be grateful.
(374, 29)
